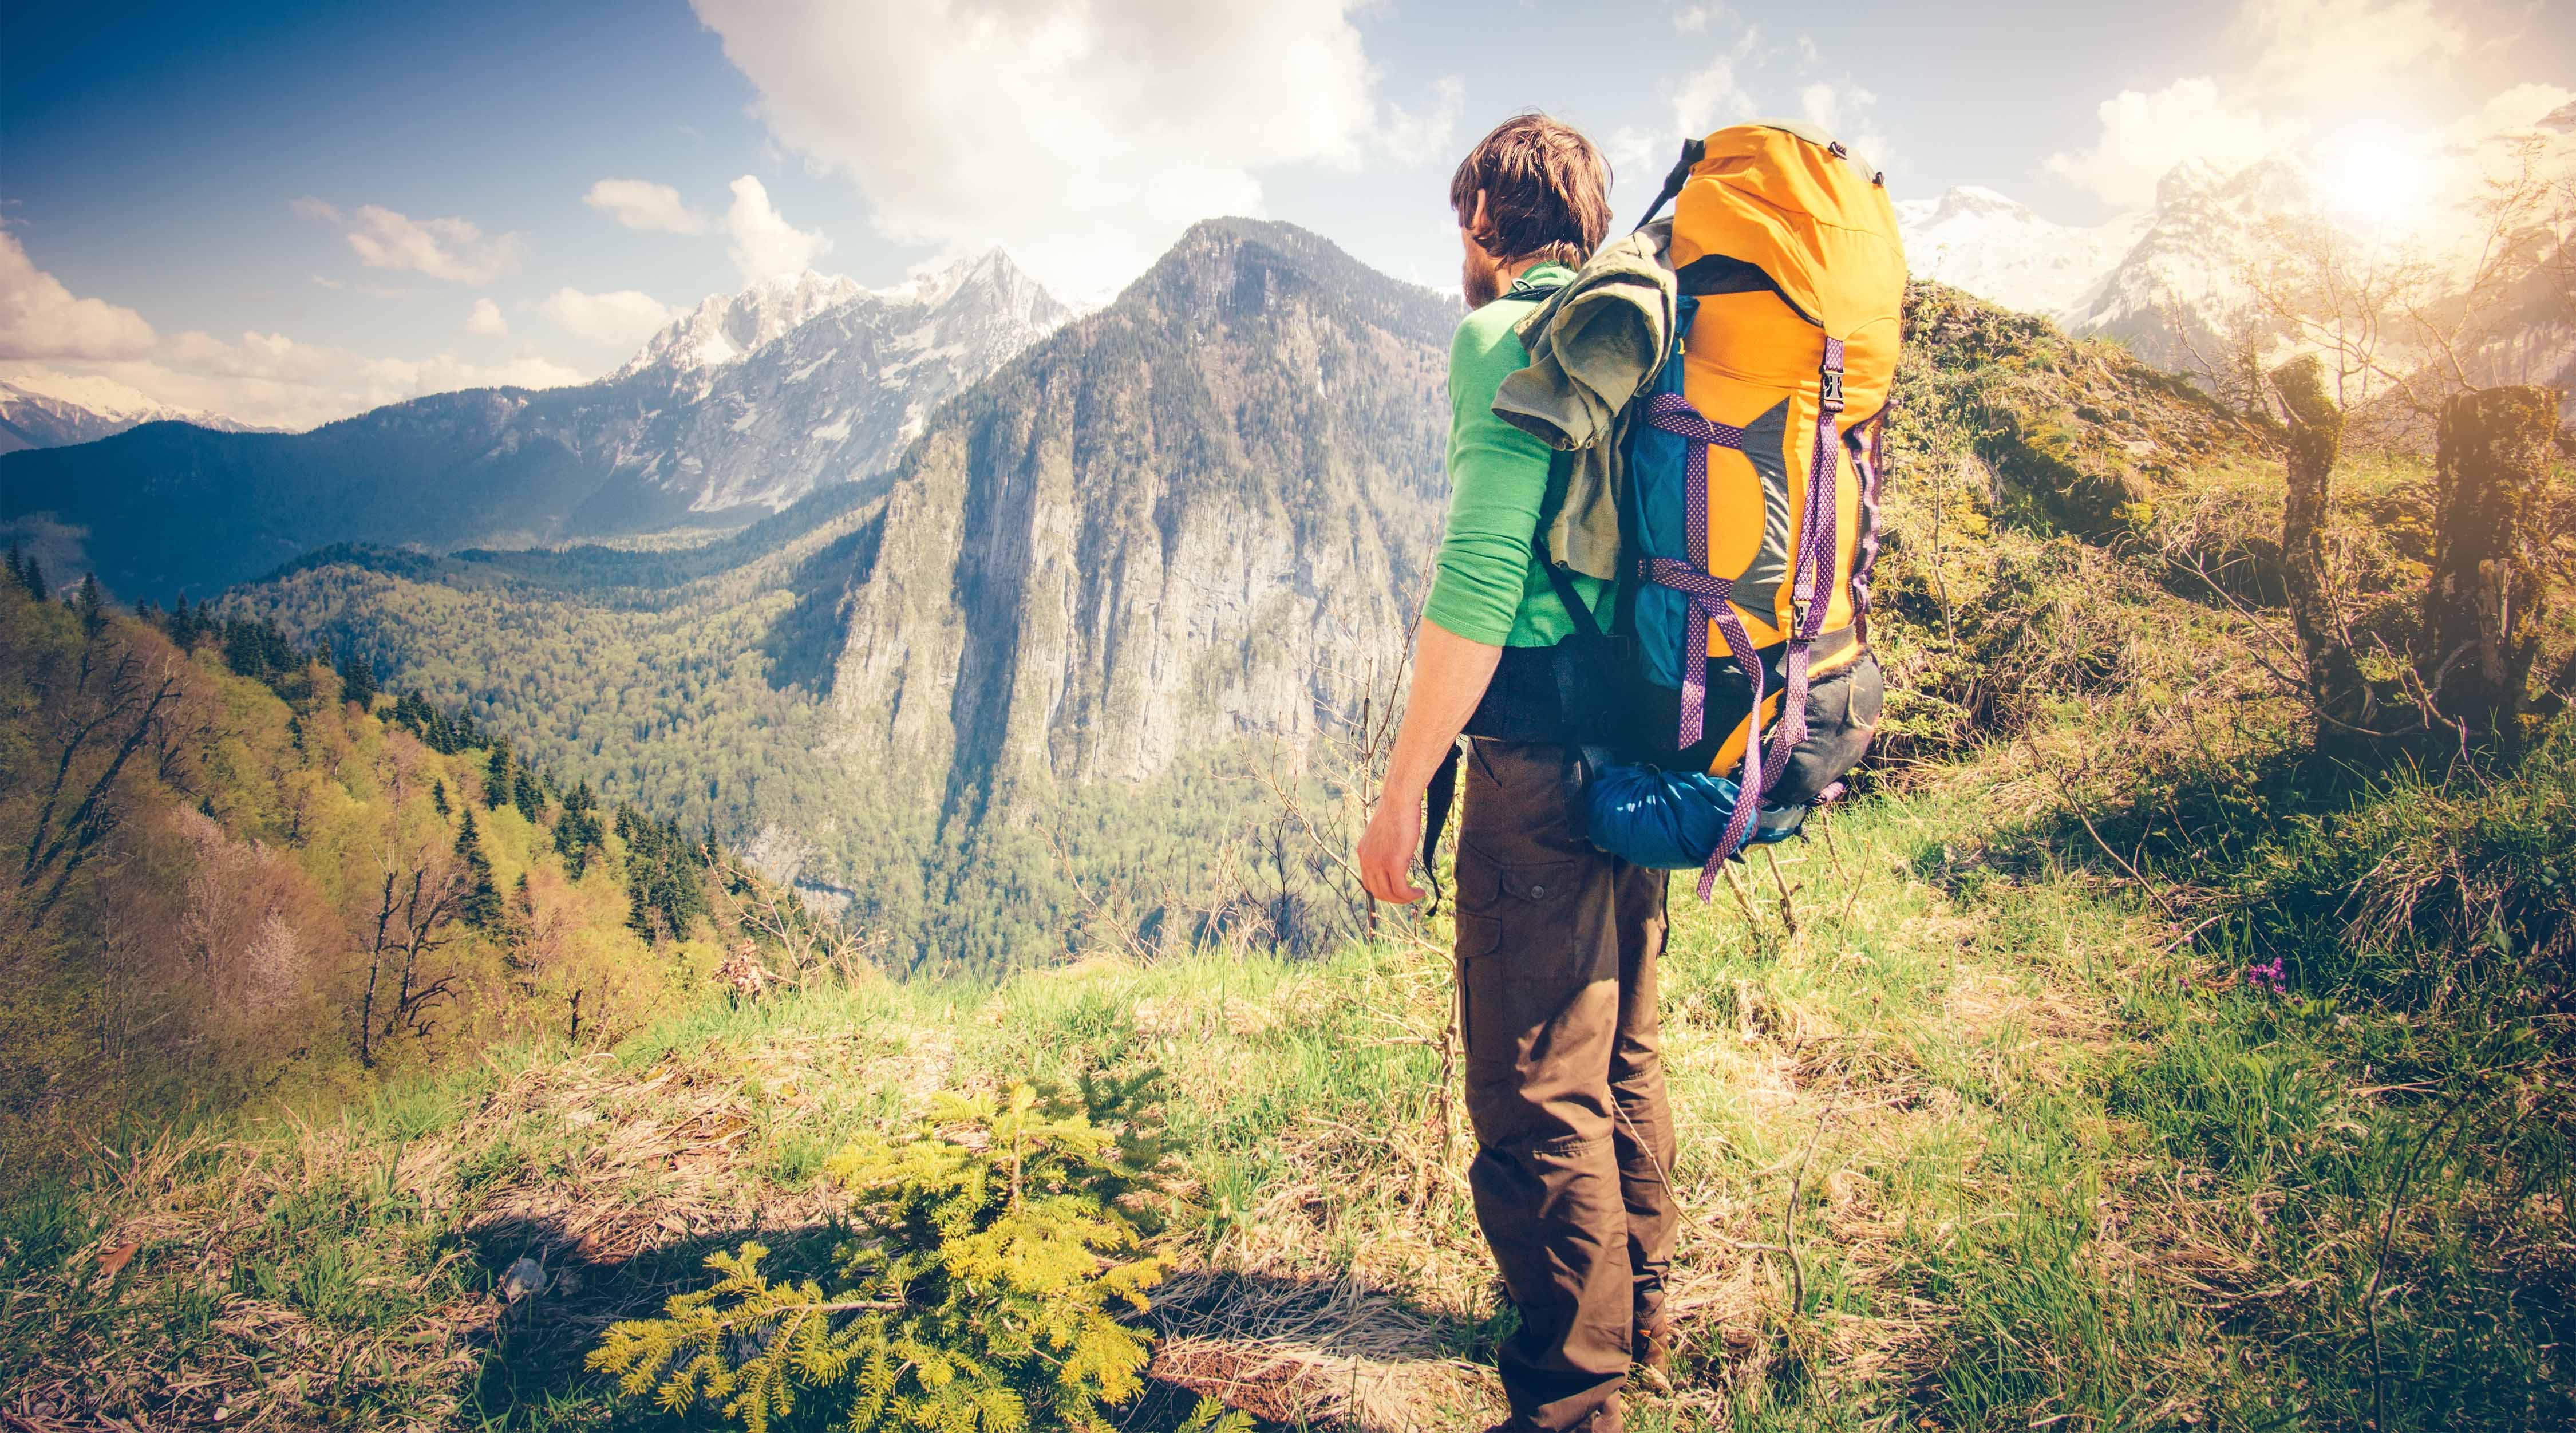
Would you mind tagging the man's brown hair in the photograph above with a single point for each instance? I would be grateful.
(1547, 191)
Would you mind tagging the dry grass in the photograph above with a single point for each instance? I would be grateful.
(1340, 1353)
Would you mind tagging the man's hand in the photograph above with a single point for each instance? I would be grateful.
(1449, 677)
(1386, 851)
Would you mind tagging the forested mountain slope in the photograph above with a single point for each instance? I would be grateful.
(232, 872)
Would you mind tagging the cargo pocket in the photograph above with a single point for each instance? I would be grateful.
(1492, 895)
(1522, 959)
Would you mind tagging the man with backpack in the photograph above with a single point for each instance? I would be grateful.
(1650, 616)
(1557, 941)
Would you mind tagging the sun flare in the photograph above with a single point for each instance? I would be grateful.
(2377, 179)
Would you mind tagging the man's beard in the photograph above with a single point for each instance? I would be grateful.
(1480, 278)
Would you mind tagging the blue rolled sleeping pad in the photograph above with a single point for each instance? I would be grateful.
(1671, 820)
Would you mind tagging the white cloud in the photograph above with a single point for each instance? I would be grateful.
(2144, 135)
(373, 291)
(1083, 137)
(1848, 112)
(2520, 108)
(1691, 19)
(764, 243)
(639, 204)
(2332, 50)
(2334, 70)
(621, 319)
(451, 249)
(1710, 99)
(272, 380)
(39, 318)
(266, 379)
(1636, 155)
(1410, 139)
(486, 320)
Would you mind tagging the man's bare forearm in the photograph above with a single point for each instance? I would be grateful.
(1450, 674)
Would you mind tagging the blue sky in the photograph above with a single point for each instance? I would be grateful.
(290, 211)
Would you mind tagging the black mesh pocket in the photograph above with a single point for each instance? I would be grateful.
(1843, 707)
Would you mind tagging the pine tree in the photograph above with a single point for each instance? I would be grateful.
(523, 791)
(577, 831)
(33, 576)
(1000, 1256)
(664, 887)
(438, 797)
(496, 775)
(358, 679)
(522, 926)
(91, 604)
(17, 563)
(481, 905)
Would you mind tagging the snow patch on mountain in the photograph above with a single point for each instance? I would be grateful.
(1978, 240)
(724, 328)
(47, 408)
(2183, 284)
(758, 398)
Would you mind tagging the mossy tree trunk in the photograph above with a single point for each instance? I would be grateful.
(2483, 608)
(2337, 690)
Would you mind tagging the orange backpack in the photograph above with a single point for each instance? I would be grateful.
(1750, 514)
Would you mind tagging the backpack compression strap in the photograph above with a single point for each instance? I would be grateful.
(1711, 600)
(1711, 597)
(1865, 445)
(1693, 150)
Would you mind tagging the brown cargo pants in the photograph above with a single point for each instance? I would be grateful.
(1557, 946)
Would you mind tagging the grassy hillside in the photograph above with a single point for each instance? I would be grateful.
(1971, 1140)
(2110, 1063)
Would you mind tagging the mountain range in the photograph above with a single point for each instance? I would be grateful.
(1150, 564)
(1169, 540)
(737, 409)
(2169, 279)
(43, 408)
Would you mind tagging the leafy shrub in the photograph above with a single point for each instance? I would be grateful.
(1000, 1248)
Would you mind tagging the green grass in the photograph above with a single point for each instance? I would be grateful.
(2034, 1161)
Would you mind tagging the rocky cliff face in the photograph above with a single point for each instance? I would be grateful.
(1190, 518)
(2182, 284)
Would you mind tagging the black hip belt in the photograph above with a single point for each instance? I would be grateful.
(1521, 702)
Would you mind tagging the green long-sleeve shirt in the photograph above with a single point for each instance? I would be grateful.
(1487, 586)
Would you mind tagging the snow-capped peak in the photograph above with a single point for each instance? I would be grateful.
(48, 408)
(1992, 246)
(1966, 199)
(724, 327)
(105, 397)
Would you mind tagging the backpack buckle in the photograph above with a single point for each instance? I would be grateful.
(1831, 388)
